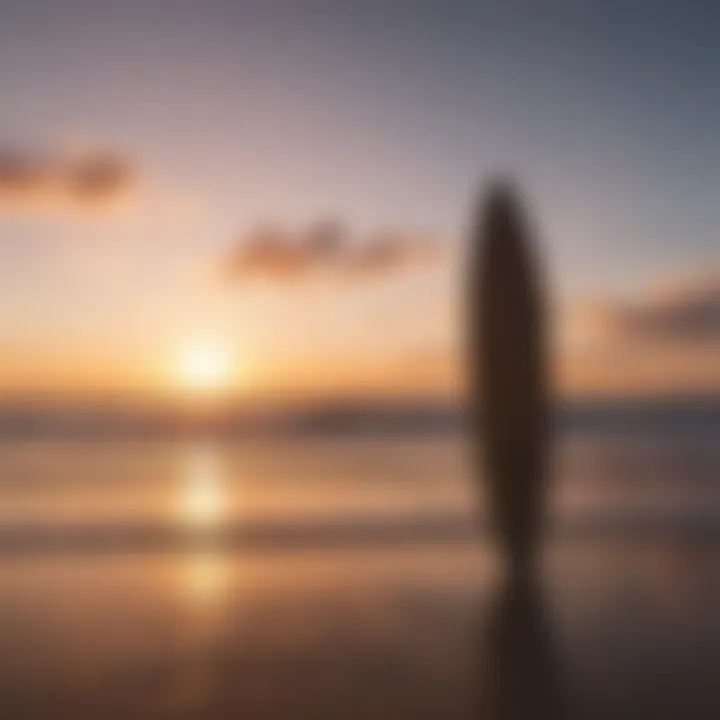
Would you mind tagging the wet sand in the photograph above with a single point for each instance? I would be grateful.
(621, 632)
(414, 623)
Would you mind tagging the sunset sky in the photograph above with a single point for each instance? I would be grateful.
(145, 145)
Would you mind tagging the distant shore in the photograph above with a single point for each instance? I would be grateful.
(98, 420)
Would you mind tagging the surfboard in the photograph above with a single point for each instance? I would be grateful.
(508, 372)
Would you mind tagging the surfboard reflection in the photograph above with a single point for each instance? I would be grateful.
(518, 665)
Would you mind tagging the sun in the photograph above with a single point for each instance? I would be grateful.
(205, 367)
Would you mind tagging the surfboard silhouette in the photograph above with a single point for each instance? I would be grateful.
(509, 387)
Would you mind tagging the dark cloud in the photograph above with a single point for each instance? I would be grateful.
(325, 249)
(689, 311)
(49, 181)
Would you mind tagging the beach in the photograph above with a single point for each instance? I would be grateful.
(144, 598)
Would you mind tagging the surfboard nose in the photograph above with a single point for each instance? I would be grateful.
(501, 204)
(503, 229)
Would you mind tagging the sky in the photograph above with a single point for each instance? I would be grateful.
(148, 148)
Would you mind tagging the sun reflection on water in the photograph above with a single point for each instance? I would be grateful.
(204, 583)
(201, 499)
(205, 579)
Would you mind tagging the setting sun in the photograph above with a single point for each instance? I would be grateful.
(205, 367)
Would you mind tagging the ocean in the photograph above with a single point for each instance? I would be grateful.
(355, 577)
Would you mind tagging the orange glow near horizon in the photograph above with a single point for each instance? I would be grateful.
(206, 371)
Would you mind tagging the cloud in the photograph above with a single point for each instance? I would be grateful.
(391, 252)
(666, 339)
(685, 311)
(324, 249)
(47, 181)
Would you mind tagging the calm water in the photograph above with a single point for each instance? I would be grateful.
(347, 579)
